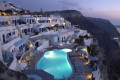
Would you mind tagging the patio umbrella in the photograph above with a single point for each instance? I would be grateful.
(80, 47)
(93, 59)
(81, 52)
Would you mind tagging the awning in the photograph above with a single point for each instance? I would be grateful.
(18, 43)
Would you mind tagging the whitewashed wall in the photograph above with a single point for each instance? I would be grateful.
(45, 44)
(88, 42)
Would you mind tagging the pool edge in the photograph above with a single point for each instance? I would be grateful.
(68, 58)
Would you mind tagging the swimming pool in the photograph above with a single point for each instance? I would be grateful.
(56, 63)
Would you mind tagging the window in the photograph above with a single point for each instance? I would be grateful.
(33, 20)
(40, 29)
(93, 79)
(5, 5)
(13, 33)
(58, 38)
(23, 31)
(28, 30)
(13, 21)
(31, 29)
(62, 39)
(27, 20)
(9, 34)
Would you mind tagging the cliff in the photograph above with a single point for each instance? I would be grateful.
(105, 25)
(7, 74)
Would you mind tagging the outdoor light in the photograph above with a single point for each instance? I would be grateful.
(76, 49)
(85, 49)
(37, 19)
(63, 23)
(68, 42)
(50, 20)
(73, 40)
(31, 45)
(61, 44)
(86, 63)
(52, 25)
(30, 55)
(26, 59)
(89, 76)
(51, 53)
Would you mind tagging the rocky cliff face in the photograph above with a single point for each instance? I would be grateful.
(109, 63)
(7, 74)
(105, 25)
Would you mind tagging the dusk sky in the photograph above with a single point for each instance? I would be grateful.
(108, 9)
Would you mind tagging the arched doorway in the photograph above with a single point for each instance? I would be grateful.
(37, 44)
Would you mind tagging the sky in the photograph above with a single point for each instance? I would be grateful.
(107, 9)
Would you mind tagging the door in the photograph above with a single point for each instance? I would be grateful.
(37, 44)
(25, 31)
(50, 43)
(3, 38)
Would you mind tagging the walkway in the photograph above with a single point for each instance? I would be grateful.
(82, 69)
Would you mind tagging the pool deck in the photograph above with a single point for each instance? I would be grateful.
(80, 70)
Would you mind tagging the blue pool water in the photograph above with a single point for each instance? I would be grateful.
(56, 63)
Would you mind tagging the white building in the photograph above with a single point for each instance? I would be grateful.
(9, 20)
(50, 20)
(7, 5)
(18, 31)
(7, 34)
(96, 74)
(28, 19)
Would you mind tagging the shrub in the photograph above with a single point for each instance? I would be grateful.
(92, 50)
(36, 32)
(9, 12)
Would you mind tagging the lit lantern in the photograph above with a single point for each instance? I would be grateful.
(4, 14)
(61, 44)
(85, 49)
(37, 20)
(63, 23)
(31, 45)
(52, 25)
(89, 76)
(30, 55)
(0, 13)
(86, 63)
(27, 59)
(76, 49)
(50, 20)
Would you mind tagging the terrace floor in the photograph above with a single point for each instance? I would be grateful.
(82, 69)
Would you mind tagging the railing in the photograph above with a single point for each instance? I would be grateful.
(26, 53)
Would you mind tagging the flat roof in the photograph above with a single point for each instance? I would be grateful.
(18, 43)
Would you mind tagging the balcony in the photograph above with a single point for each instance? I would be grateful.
(9, 39)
